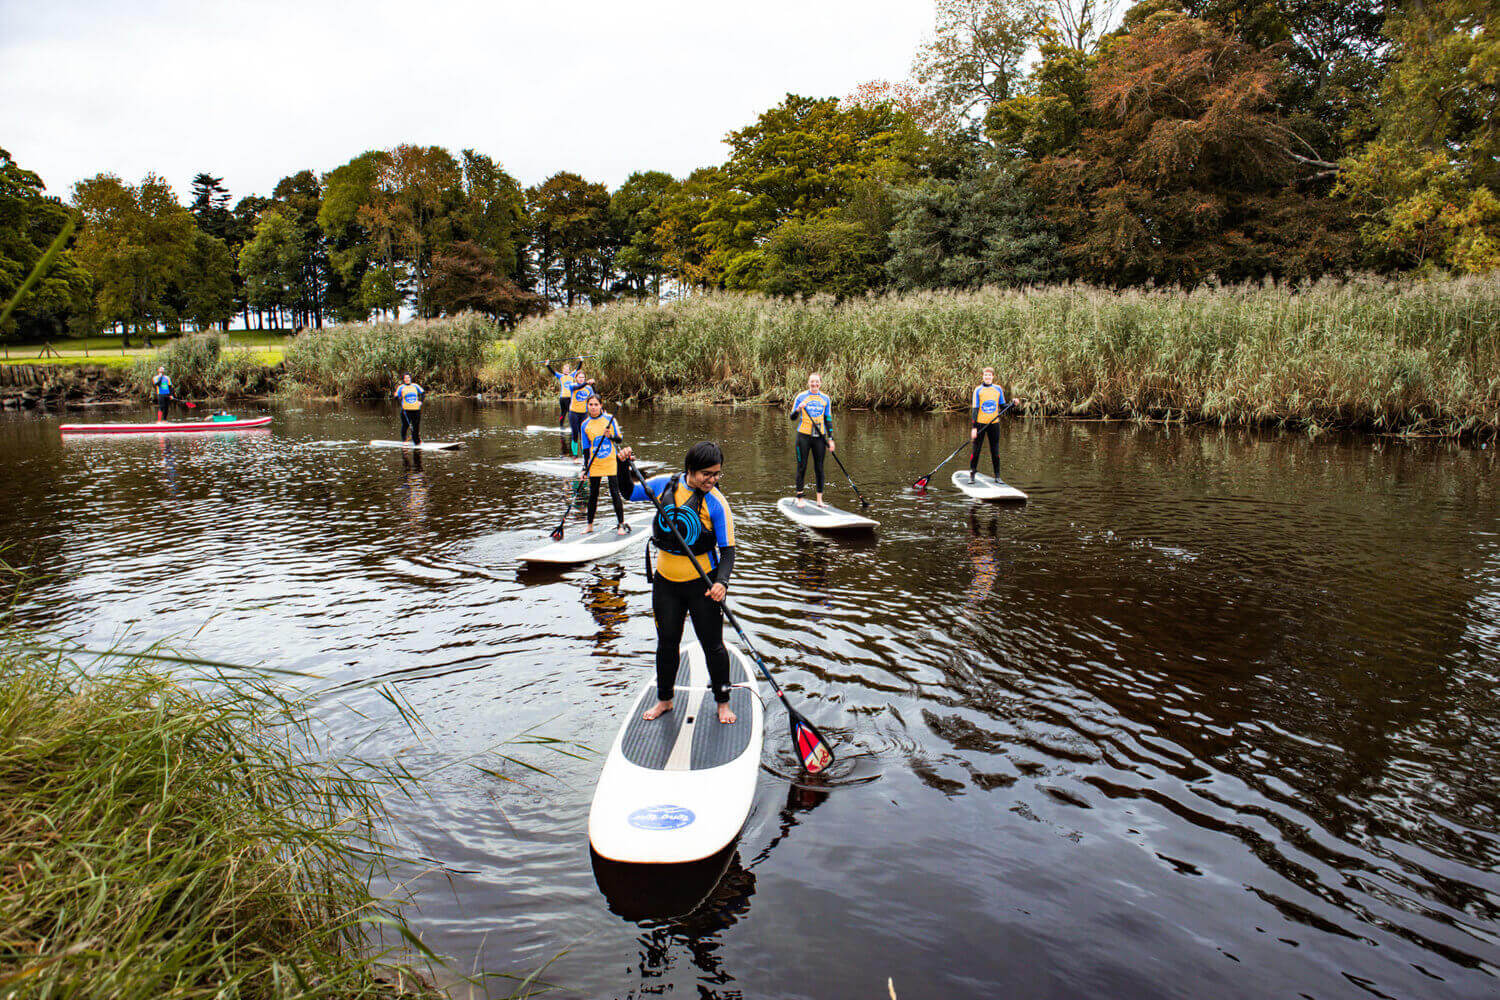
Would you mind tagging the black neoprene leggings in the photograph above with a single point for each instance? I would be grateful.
(818, 446)
(163, 406)
(575, 421)
(412, 419)
(614, 496)
(991, 431)
(671, 604)
(562, 408)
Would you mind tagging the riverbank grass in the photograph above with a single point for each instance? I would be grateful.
(160, 841)
(1370, 354)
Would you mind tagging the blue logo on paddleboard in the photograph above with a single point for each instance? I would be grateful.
(662, 817)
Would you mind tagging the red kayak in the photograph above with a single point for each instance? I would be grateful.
(168, 427)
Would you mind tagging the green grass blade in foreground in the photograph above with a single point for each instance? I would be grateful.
(163, 840)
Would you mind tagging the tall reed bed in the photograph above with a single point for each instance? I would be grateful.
(157, 841)
(365, 359)
(1366, 353)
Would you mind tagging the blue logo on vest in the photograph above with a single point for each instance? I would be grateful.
(687, 522)
(662, 817)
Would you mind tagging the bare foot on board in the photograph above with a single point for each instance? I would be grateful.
(726, 716)
(660, 709)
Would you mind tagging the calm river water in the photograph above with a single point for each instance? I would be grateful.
(1215, 714)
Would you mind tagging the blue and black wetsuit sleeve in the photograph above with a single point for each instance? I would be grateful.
(723, 524)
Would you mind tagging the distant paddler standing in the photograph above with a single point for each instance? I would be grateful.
(811, 411)
(162, 383)
(410, 394)
(601, 436)
(578, 408)
(985, 406)
(564, 389)
(691, 502)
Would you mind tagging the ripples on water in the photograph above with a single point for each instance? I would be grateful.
(1213, 715)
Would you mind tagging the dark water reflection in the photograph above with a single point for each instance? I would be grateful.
(1215, 714)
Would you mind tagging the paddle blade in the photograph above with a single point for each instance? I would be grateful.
(921, 484)
(191, 406)
(812, 748)
(557, 533)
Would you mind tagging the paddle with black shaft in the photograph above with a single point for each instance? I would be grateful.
(573, 495)
(865, 503)
(815, 752)
(921, 484)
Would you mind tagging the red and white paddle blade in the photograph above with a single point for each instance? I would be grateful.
(811, 747)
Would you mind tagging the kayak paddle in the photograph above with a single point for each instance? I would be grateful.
(921, 484)
(813, 750)
(865, 503)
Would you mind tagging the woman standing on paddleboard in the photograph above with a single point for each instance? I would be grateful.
(601, 435)
(578, 408)
(564, 389)
(984, 411)
(410, 395)
(693, 503)
(812, 412)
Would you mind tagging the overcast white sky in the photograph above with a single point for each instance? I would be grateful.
(258, 89)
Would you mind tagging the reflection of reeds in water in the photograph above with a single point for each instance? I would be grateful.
(157, 839)
(1365, 353)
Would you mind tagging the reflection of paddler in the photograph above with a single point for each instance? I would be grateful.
(811, 411)
(607, 605)
(811, 569)
(416, 486)
(982, 559)
(693, 503)
(601, 436)
(410, 394)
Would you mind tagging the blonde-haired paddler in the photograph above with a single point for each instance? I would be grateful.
(812, 413)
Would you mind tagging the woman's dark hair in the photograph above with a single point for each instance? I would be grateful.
(701, 456)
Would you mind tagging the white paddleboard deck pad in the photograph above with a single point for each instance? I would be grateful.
(564, 466)
(679, 788)
(986, 487)
(577, 547)
(424, 446)
(825, 518)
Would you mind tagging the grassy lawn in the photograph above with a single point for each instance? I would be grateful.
(69, 346)
(268, 349)
(78, 360)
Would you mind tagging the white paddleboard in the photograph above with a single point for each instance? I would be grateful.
(824, 518)
(985, 487)
(679, 788)
(563, 466)
(555, 429)
(576, 547)
(424, 446)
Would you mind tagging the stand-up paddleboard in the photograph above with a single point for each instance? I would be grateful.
(168, 427)
(601, 542)
(563, 466)
(554, 429)
(986, 487)
(826, 518)
(424, 446)
(679, 788)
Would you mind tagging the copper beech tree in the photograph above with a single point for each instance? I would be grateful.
(1187, 170)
